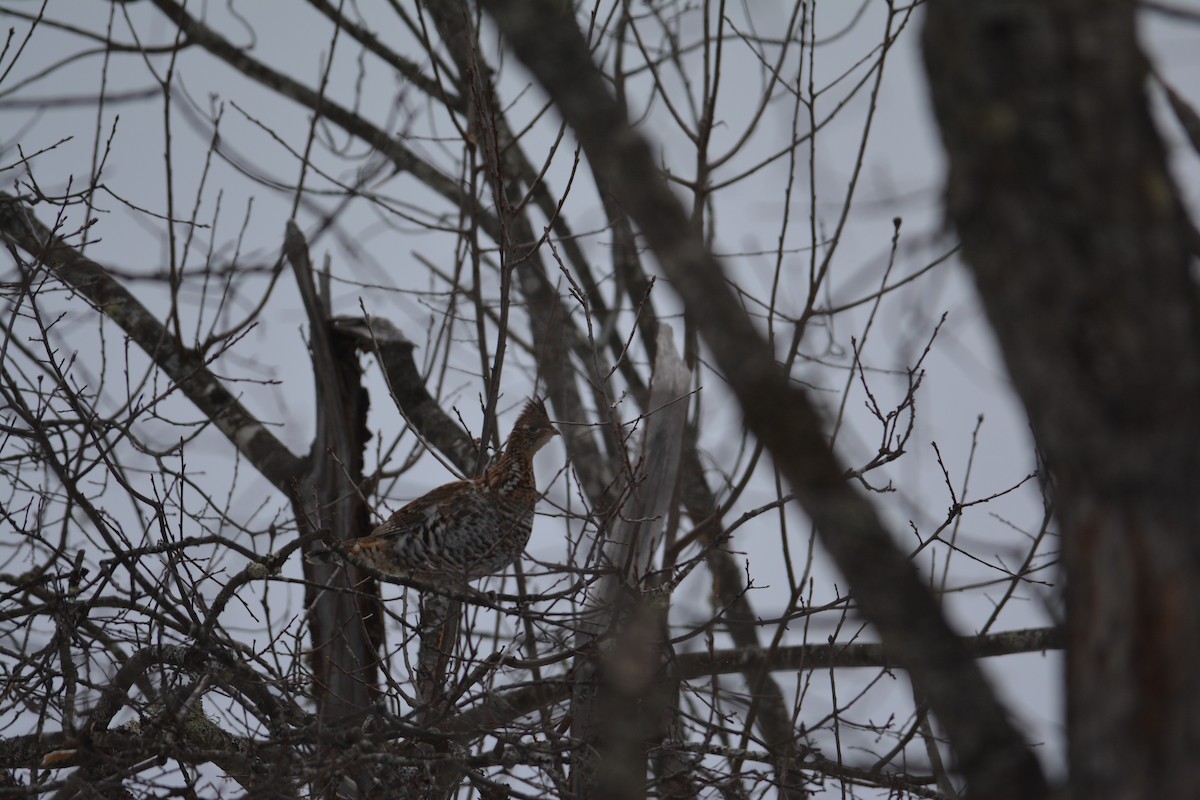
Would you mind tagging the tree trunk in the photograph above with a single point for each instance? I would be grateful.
(1079, 247)
(345, 610)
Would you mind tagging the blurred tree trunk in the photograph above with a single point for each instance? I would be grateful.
(1078, 243)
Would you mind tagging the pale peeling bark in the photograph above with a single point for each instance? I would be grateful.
(624, 690)
(1079, 246)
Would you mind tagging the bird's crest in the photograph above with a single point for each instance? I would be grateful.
(533, 428)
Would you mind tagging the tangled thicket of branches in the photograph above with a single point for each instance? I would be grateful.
(449, 231)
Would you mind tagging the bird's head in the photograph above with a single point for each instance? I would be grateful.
(533, 428)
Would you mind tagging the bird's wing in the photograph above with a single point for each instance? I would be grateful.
(445, 507)
(432, 534)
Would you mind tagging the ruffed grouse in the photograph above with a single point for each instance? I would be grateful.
(467, 529)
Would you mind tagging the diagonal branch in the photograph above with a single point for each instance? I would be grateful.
(394, 351)
(186, 367)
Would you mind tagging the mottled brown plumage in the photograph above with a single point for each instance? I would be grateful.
(467, 529)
